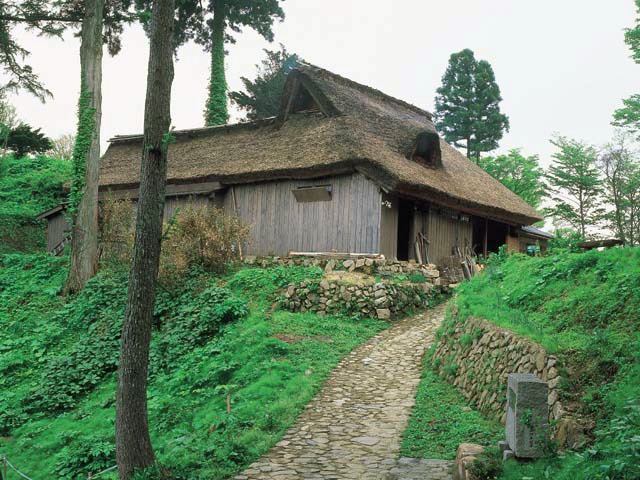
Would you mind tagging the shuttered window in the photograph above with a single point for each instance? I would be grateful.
(315, 193)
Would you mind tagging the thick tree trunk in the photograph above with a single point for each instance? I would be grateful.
(84, 243)
(216, 110)
(133, 444)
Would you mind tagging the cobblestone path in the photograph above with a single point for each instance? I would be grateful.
(353, 428)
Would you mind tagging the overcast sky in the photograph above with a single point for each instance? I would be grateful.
(562, 65)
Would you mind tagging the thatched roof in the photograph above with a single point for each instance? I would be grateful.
(357, 129)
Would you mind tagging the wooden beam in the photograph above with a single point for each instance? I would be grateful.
(173, 190)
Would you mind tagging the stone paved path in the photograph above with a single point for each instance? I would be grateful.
(353, 428)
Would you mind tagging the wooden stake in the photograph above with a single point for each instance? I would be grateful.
(228, 404)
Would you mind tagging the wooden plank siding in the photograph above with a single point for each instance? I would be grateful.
(171, 204)
(56, 227)
(349, 222)
(445, 234)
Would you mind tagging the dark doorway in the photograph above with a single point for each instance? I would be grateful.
(496, 235)
(479, 235)
(405, 222)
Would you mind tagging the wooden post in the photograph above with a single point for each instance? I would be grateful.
(484, 241)
(228, 404)
(235, 209)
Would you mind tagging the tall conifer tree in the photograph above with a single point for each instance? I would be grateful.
(467, 105)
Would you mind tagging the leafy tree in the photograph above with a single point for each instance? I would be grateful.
(621, 173)
(522, 175)
(232, 14)
(38, 15)
(24, 140)
(467, 105)
(632, 36)
(63, 147)
(262, 96)
(629, 115)
(575, 181)
(133, 443)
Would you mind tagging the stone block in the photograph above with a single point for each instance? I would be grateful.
(383, 313)
(527, 414)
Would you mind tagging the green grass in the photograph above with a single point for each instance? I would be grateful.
(271, 363)
(584, 307)
(441, 420)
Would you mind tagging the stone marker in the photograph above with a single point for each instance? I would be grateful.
(527, 415)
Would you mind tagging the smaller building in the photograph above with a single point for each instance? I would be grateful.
(528, 239)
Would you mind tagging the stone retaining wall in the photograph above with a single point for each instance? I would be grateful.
(368, 265)
(357, 294)
(477, 356)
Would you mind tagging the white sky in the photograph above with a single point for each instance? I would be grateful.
(562, 65)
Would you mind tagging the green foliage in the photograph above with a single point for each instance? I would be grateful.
(28, 187)
(522, 175)
(234, 14)
(575, 181)
(565, 240)
(629, 115)
(583, 307)
(268, 281)
(487, 466)
(24, 140)
(621, 182)
(632, 36)
(216, 112)
(440, 421)
(263, 95)
(84, 135)
(467, 106)
(206, 344)
(92, 456)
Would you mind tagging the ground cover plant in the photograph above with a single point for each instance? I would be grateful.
(441, 420)
(229, 373)
(28, 187)
(584, 307)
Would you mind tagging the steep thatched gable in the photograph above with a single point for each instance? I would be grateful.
(329, 125)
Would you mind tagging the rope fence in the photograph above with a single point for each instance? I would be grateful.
(6, 463)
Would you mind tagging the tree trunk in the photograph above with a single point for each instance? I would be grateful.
(468, 148)
(216, 110)
(133, 444)
(84, 190)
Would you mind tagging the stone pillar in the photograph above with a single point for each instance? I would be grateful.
(527, 415)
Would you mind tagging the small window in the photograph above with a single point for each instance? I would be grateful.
(316, 193)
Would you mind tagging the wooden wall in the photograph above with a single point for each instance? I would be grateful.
(349, 222)
(56, 227)
(171, 204)
(446, 233)
(443, 232)
(389, 226)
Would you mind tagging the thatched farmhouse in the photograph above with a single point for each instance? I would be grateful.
(342, 168)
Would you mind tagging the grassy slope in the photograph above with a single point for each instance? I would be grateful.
(28, 186)
(441, 420)
(269, 380)
(586, 308)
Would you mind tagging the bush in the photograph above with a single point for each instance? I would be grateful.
(196, 236)
(486, 466)
(117, 229)
(202, 236)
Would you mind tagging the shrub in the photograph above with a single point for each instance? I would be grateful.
(202, 236)
(486, 466)
(196, 236)
(117, 228)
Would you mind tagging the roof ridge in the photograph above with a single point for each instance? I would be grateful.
(200, 130)
(302, 66)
